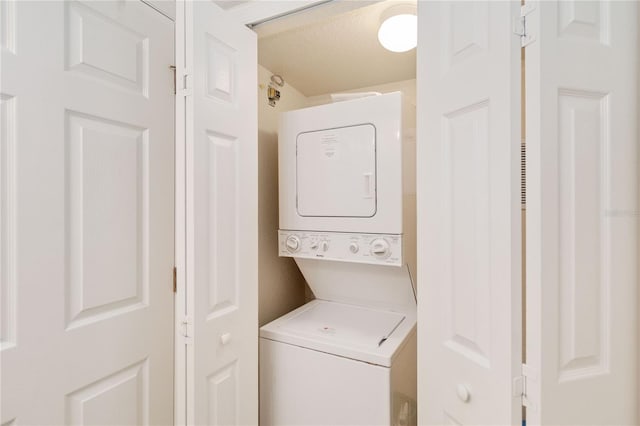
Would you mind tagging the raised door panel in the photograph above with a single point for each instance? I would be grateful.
(587, 20)
(107, 218)
(584, 277)
(7, 221)
(221, 69)
(126, 390)
(466, 211)
(98, 46)
(8, 25)
(465, 33)
(8, 187)
(223, 395)
(223, 224)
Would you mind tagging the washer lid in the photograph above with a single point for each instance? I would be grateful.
(349, 331)
(341, 323)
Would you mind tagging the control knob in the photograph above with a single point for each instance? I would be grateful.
(324, 245)
(380, 248)
(353, 247)
(292, 243)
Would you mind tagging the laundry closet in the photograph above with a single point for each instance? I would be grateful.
(346, 169)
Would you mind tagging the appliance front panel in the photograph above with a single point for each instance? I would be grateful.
(377, 249)
(336, 172)
(340, 166)
(301, 386)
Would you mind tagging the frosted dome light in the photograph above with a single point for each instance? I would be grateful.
(399, 32)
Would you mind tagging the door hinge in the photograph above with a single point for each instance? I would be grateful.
(520, 385)
(186, 83)
(520, 24)
(175, 279)
(186, 330)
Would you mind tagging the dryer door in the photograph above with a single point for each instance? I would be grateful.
(336, 172)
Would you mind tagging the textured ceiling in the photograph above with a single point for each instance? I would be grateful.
(335, 54)
(229, 4)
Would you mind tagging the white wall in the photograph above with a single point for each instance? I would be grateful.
(281, 285)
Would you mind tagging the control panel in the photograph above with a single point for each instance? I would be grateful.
(380, 249)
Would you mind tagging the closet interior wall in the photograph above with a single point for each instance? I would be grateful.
(280, 283)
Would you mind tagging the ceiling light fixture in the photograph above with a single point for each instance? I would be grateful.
(398, 30)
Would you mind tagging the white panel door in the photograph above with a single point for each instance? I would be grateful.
(220, 105)
(582, 213)
(87, 213)
(469, 309)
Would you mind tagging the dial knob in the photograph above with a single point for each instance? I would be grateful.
(314, 244)
(353, 247)
(293, 243)
(324, 245)
(380, 248)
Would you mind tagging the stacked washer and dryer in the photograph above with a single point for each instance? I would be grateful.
(347, 217)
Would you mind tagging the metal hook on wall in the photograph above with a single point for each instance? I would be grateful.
(277, 80)
(273, 94)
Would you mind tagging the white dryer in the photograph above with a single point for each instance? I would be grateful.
(347, 216)
(340, 166)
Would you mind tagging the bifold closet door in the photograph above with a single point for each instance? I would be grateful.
(86, 178)
(582, 212)
(217, 71)
(469, 230)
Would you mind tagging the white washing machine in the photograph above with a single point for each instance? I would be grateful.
(347, 216)
(342, 363)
